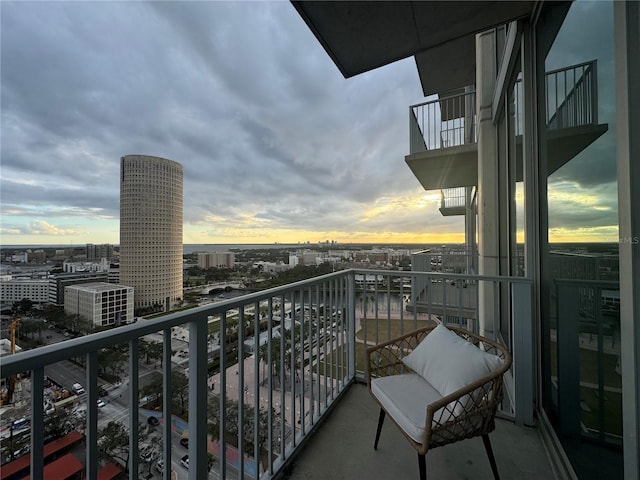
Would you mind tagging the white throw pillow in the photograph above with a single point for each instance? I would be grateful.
(448, 362)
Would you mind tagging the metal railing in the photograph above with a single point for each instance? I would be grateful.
(451, 121)
(284, 357)
(572, 96)
(446, 122)
(453, 197)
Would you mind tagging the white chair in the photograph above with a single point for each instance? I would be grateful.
(439, 385)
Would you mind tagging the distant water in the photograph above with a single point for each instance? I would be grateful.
(225, 247)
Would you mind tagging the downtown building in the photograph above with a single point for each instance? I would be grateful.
(151, 207)
(103, 304)
(99, 251)
(216, 260)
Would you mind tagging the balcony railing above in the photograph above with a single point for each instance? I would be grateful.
(284, 357)
(451, 121)
(446, 122)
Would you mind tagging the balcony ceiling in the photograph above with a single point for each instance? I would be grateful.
(361, 36)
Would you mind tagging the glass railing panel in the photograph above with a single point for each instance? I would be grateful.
(589, 396)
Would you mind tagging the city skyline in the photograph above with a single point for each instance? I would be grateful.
(276, 145)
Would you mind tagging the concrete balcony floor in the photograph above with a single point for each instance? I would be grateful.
(342, 449)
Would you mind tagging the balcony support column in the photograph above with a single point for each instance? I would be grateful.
(627, 65)
(489, 187)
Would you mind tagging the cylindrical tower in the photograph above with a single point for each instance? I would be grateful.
(151, 198)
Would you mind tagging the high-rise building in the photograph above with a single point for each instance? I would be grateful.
(151, 199)
(98, 252)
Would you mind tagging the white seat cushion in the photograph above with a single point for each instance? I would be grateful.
(405, 398)
(448, 362)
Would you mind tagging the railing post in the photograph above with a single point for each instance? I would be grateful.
(351, 322)
(133, 409)
(166, 403)
(92, 416)
(523, 366)
(37, 422)
(198, 363)
(594, 92)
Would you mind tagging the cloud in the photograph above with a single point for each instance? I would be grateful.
(270, 135)
(41, 227)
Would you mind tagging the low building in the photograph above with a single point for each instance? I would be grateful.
(101, 303)
(15, 289)
(5, 347)
(216, 260)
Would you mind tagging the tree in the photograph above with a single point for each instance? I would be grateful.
(113, 443)
(248, 425)
(154, 351)
(113, 359)
(179, 388)
(63, 421)
(31, 326)
(23, 305)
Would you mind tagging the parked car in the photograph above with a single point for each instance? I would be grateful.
(101, 403)
(185, 461)
(153, 421)
(184, 442)
(77, 389)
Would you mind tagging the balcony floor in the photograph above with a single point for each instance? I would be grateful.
(342, 448)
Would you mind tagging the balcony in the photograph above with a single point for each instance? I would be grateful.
(443, 132)
(292, 361)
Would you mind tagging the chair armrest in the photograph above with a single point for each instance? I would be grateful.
(475, 404)
(386, 358)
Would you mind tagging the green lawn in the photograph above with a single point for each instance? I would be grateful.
(390, 328)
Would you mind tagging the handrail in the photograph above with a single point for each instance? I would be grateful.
(325, 349)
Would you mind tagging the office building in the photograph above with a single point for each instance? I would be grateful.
(58, 282)
(98, 252)
(103, 304)
(151, 205)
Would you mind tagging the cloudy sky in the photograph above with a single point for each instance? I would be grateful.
(276, 145)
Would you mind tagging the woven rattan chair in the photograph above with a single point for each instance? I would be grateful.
(425, 417)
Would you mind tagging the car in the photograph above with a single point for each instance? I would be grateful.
(153, 421)
(160, 466)
(101, 403)
(77, 389)
(185, 461)
(184, 442)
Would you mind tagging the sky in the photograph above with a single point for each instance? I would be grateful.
(276, 145)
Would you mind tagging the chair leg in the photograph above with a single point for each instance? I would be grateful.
(423, 467)
(492, 460)
(380, 422)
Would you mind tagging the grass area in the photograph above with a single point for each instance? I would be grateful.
(390, 328)
(361, 359)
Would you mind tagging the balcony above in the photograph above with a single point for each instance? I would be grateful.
(361, 36)
(343, 448)
(443, 138)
